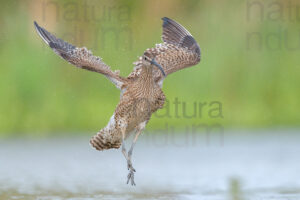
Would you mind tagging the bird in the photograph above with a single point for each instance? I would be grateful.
(141, 91)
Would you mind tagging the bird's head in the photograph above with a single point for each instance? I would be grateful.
(149, 61)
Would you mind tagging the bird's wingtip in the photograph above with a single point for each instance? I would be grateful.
(41, 33)
(35, 24)
(165, 20)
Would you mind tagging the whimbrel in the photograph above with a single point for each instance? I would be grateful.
(141, 93)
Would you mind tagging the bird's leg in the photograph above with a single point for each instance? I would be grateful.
(123, 144)
(131, 173)
(129, 163)
(131, 149)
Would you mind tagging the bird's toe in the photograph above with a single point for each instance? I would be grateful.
(130, 177)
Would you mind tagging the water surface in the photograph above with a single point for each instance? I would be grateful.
(253, 166)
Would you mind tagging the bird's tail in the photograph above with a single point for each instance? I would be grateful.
(105, 139)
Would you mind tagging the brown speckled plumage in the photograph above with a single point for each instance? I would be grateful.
(141, 93)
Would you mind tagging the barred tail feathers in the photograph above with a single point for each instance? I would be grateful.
(107, 138)
(102, 141)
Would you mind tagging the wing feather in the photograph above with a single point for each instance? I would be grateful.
(178, 51)
(80, 57)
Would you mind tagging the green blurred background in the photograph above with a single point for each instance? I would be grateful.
(250, 63)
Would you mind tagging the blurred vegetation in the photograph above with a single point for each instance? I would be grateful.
(235, 189)
(247, 63)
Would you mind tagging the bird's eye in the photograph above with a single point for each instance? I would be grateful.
(145, 58)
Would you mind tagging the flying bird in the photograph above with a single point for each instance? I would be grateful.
(141, 91)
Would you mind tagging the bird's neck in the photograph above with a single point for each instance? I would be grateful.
(147, 75)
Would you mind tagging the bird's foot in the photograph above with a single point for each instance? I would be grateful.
(130, 177)
(129, 166)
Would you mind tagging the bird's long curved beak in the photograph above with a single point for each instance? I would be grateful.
(153, 62)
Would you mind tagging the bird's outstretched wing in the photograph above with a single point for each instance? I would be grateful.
(179, 50)
(80, 57)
